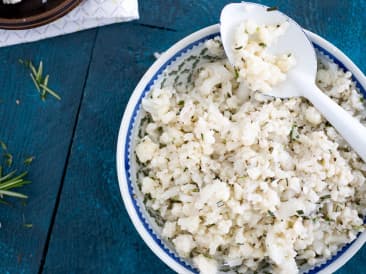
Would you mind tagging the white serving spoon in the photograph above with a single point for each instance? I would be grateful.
(301, 78)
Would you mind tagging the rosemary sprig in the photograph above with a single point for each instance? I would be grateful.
(40, 82)
(10, 181)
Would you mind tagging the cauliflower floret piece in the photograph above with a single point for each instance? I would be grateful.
(313, 116)
(169, 229)
(191, 224)
(205, 265)
(184, 244)
(146, 149)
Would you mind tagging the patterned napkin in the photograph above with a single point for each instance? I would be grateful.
(89, 14)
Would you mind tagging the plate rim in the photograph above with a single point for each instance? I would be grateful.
(331, 265)
(39, 19)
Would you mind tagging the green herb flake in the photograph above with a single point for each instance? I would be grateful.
(238, 48)
(10, 181)
(300, 212)
(28, 160)
(322, 198)
(9, 159)
(358, 227)
(40, 82)
(262, 44)
(271, 213)
(272, 8)
(3, 146)
(181, 103)
(294, 134)
(220, 203)
(236, 71)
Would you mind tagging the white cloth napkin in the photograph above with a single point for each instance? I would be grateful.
(89, 14)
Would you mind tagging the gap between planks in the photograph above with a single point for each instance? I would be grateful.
(58, 197)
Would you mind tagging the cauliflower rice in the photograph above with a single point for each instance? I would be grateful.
(240, 182)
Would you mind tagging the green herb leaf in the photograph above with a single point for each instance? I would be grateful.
(262, 44)
(28, 160)
(11, 181)
(322, 198)
(39, 82)
(9, 159)
(294, 134)
(272, 8)
(50, 91)
(271, 213)
(300, 212)
(3, 146)
(236, 71)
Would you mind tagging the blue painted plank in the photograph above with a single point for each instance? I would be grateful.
(92, 225)
(42, 129)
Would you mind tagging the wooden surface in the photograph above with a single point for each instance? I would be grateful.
(79, 221)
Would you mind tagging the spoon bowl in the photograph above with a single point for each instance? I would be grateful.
(293, 41)
(300, 79)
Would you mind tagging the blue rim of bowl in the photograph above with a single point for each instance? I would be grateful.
(131, 124)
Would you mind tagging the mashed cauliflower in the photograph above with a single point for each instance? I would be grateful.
(241, 182)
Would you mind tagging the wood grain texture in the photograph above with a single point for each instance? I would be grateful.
(42, 129)
(91, 223)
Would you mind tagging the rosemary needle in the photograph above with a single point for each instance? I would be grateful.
(10, 181)
(40, 82)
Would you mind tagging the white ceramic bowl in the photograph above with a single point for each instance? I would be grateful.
(126, 166)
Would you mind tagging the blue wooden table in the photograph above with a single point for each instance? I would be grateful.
(74, 220)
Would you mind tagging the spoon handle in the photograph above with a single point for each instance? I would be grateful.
(346, 125)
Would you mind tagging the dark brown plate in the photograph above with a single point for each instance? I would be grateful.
(33, 13)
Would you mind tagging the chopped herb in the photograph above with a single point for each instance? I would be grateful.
(272, 8)
(9, 159)
(239, 48)
(220, 203)
(358, 227)
(271, 213)
(236, 73)
(294, 135)
(40, 82)
(262, 44)
(3, 146)
(322, 198)
(300, 212)
(29, 160)
(181, 103)
(10, 181)
(289, 55)
(202, 136)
